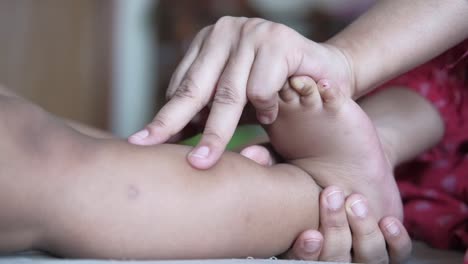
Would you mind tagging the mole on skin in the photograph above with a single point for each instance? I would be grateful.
(132, 192)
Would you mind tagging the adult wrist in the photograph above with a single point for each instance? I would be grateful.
(350, 68)
(344, 50)
(327, 61)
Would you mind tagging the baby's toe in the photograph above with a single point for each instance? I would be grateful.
(307, 89)
(288, 95)
(332, 97)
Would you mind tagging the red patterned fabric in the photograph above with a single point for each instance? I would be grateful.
(434, 187)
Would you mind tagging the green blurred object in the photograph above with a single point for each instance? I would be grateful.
(242, 136)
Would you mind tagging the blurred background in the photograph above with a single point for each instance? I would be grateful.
(107, 63)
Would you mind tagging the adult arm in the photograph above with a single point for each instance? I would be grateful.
(397, 35)
(239, 60)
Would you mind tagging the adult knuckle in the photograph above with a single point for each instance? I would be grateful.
(337, 229)
(251, 25)
(337, 224)
(159, 122)
(255, 21)
(169, 94)
(188, 89)
(261, 98)
(372, 234)
(337, 248)
(268, 108)
(223, 23)
(227, 94)
(278, 29)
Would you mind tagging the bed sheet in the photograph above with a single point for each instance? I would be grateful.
(422, 254)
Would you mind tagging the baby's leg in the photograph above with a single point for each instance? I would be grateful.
(329, 135)
(76, 196)
(406, 122)
(341, 139)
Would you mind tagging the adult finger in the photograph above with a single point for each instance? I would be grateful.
(307, 246)
(262, 92)
(334, 226)
(191, 96)
(228, 102)
(368, 241)
(397, 238)
(189, 57)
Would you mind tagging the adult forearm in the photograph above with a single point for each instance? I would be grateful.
(397, 35)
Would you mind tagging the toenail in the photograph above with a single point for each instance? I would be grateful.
(335, 200)
(359, 208)
(201, 152)
(325, 84)
(392, 229)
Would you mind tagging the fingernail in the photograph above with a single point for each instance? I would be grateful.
(311, 245)
(140, 135)
(200, 152)
(393, 229)
(359, 208)
(335, 200)
(264, 119)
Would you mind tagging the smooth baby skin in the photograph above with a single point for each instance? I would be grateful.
(76, 196)
(330, 136)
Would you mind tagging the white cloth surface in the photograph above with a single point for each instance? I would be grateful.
(422, 254)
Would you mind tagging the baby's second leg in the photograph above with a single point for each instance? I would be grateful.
(407, 124)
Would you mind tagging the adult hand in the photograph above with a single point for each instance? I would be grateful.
(229, 63)
(344, 227)
(196, 125)
(350, 225)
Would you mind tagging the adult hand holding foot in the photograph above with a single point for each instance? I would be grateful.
(239, 58)
(349, 232)
(229, 63)
(345, 224)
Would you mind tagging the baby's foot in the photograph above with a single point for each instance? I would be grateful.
(330, 137)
